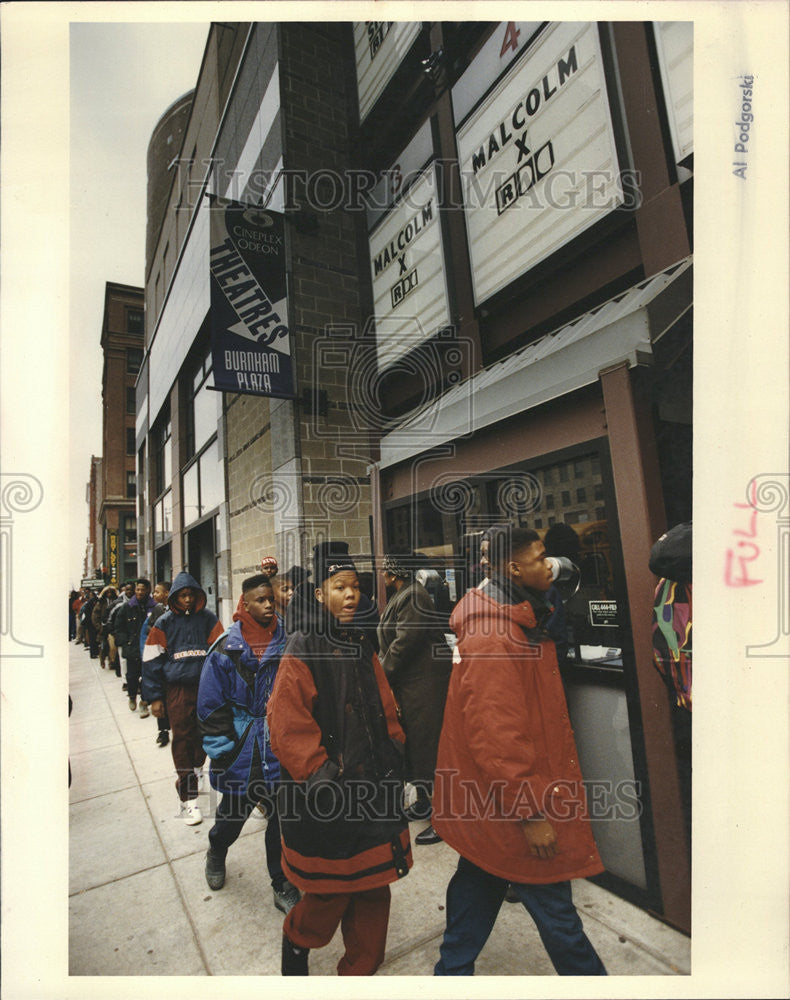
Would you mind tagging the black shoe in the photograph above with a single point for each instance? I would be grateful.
(294, 959)
(511, 896)
(418, 810)
(163, 738)
(215, 870)
(428, 836)
(124, 687)
(286, 897)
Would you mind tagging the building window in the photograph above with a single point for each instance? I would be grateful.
(134, 358)
(162, 454)
(134, 322)
(131, 401)
(451, 542)
(128, 531)
(163, 518)
(578, 469)
(203, 484)
(130, 449)
(131, 484)
(598, 491)
(581, 495)
(201, 411)
(563, 473)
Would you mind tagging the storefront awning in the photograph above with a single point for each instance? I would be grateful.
(623, 329)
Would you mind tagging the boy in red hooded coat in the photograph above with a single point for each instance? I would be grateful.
(508, 791)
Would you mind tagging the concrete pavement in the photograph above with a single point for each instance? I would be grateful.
(139, 904)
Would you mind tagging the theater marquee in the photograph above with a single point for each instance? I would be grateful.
(407, 269)
(675, 45)
(538, 158)
(380, 47)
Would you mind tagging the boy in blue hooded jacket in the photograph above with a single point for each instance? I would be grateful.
(173, 657)
(235, 685)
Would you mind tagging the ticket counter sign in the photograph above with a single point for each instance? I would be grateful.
(538, 157)
(408, 272)
(380, 47)
(603, 613)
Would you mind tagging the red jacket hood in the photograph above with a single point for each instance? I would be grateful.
(476, 605)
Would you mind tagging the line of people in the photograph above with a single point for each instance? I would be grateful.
(316, 714)
(113, 626)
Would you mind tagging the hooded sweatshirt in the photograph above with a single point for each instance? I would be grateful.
(178, 642)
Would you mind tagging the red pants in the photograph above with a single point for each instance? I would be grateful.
(186, 742)
(363, 919)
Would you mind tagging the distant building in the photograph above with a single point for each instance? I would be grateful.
(94, 499)
(116, 490)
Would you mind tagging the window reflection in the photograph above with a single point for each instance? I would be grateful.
(447, 526)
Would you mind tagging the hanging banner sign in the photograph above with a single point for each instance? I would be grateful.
(114, 558)
(250, 339)
(538, 157)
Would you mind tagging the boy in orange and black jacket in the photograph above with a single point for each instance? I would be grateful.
(334, 728)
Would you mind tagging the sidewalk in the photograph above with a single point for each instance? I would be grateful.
(139, 904)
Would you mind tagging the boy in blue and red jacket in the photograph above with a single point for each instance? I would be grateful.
(235, 685)
(173, 656)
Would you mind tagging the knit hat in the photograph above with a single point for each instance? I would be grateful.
(398, 565)
(329, 558)
(269, 565)
(297, 575)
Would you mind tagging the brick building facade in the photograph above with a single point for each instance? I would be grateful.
(122, 346)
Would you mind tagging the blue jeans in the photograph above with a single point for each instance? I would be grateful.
(473, 901)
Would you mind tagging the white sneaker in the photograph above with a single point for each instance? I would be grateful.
(191, 813)
(144, 713)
